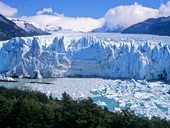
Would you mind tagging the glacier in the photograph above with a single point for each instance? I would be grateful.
(87, 55)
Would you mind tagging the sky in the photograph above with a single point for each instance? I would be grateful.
(84, 15)
(76, 8)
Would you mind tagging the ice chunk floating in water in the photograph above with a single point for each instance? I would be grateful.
(149, 100)
(101, 55)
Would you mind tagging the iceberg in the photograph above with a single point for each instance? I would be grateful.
(6, 79)
(87, 55)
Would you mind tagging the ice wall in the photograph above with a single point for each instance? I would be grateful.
(86, 56)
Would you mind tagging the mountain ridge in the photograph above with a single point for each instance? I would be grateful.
(9, 29)
(155, 26)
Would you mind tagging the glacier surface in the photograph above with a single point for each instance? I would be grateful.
(87, 55)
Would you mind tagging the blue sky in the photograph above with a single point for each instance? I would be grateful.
(75, 8)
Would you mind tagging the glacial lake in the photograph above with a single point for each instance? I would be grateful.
(145, 98)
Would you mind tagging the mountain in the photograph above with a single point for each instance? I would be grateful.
(52, 28)
(9, 29)
(116, 29)
(160, 26)
(30, 28)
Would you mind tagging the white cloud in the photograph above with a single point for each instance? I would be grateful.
(132, 14)
(128, 15)
(47, 17)
(84, 24)
(124, 15)
(47, 11)
(164, 10)
(6, 10)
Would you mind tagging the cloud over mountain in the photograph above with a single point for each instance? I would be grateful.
(127, 15)
(84, 24)
(124, 15)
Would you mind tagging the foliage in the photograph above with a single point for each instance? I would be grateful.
(28, 109)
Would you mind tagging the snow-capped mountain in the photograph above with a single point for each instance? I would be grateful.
(160, 26)
(30, 28)
(116, 29)
(51, 28)
(9, 29)
(102, 55)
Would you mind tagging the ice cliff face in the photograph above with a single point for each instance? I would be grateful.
(86, 55)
